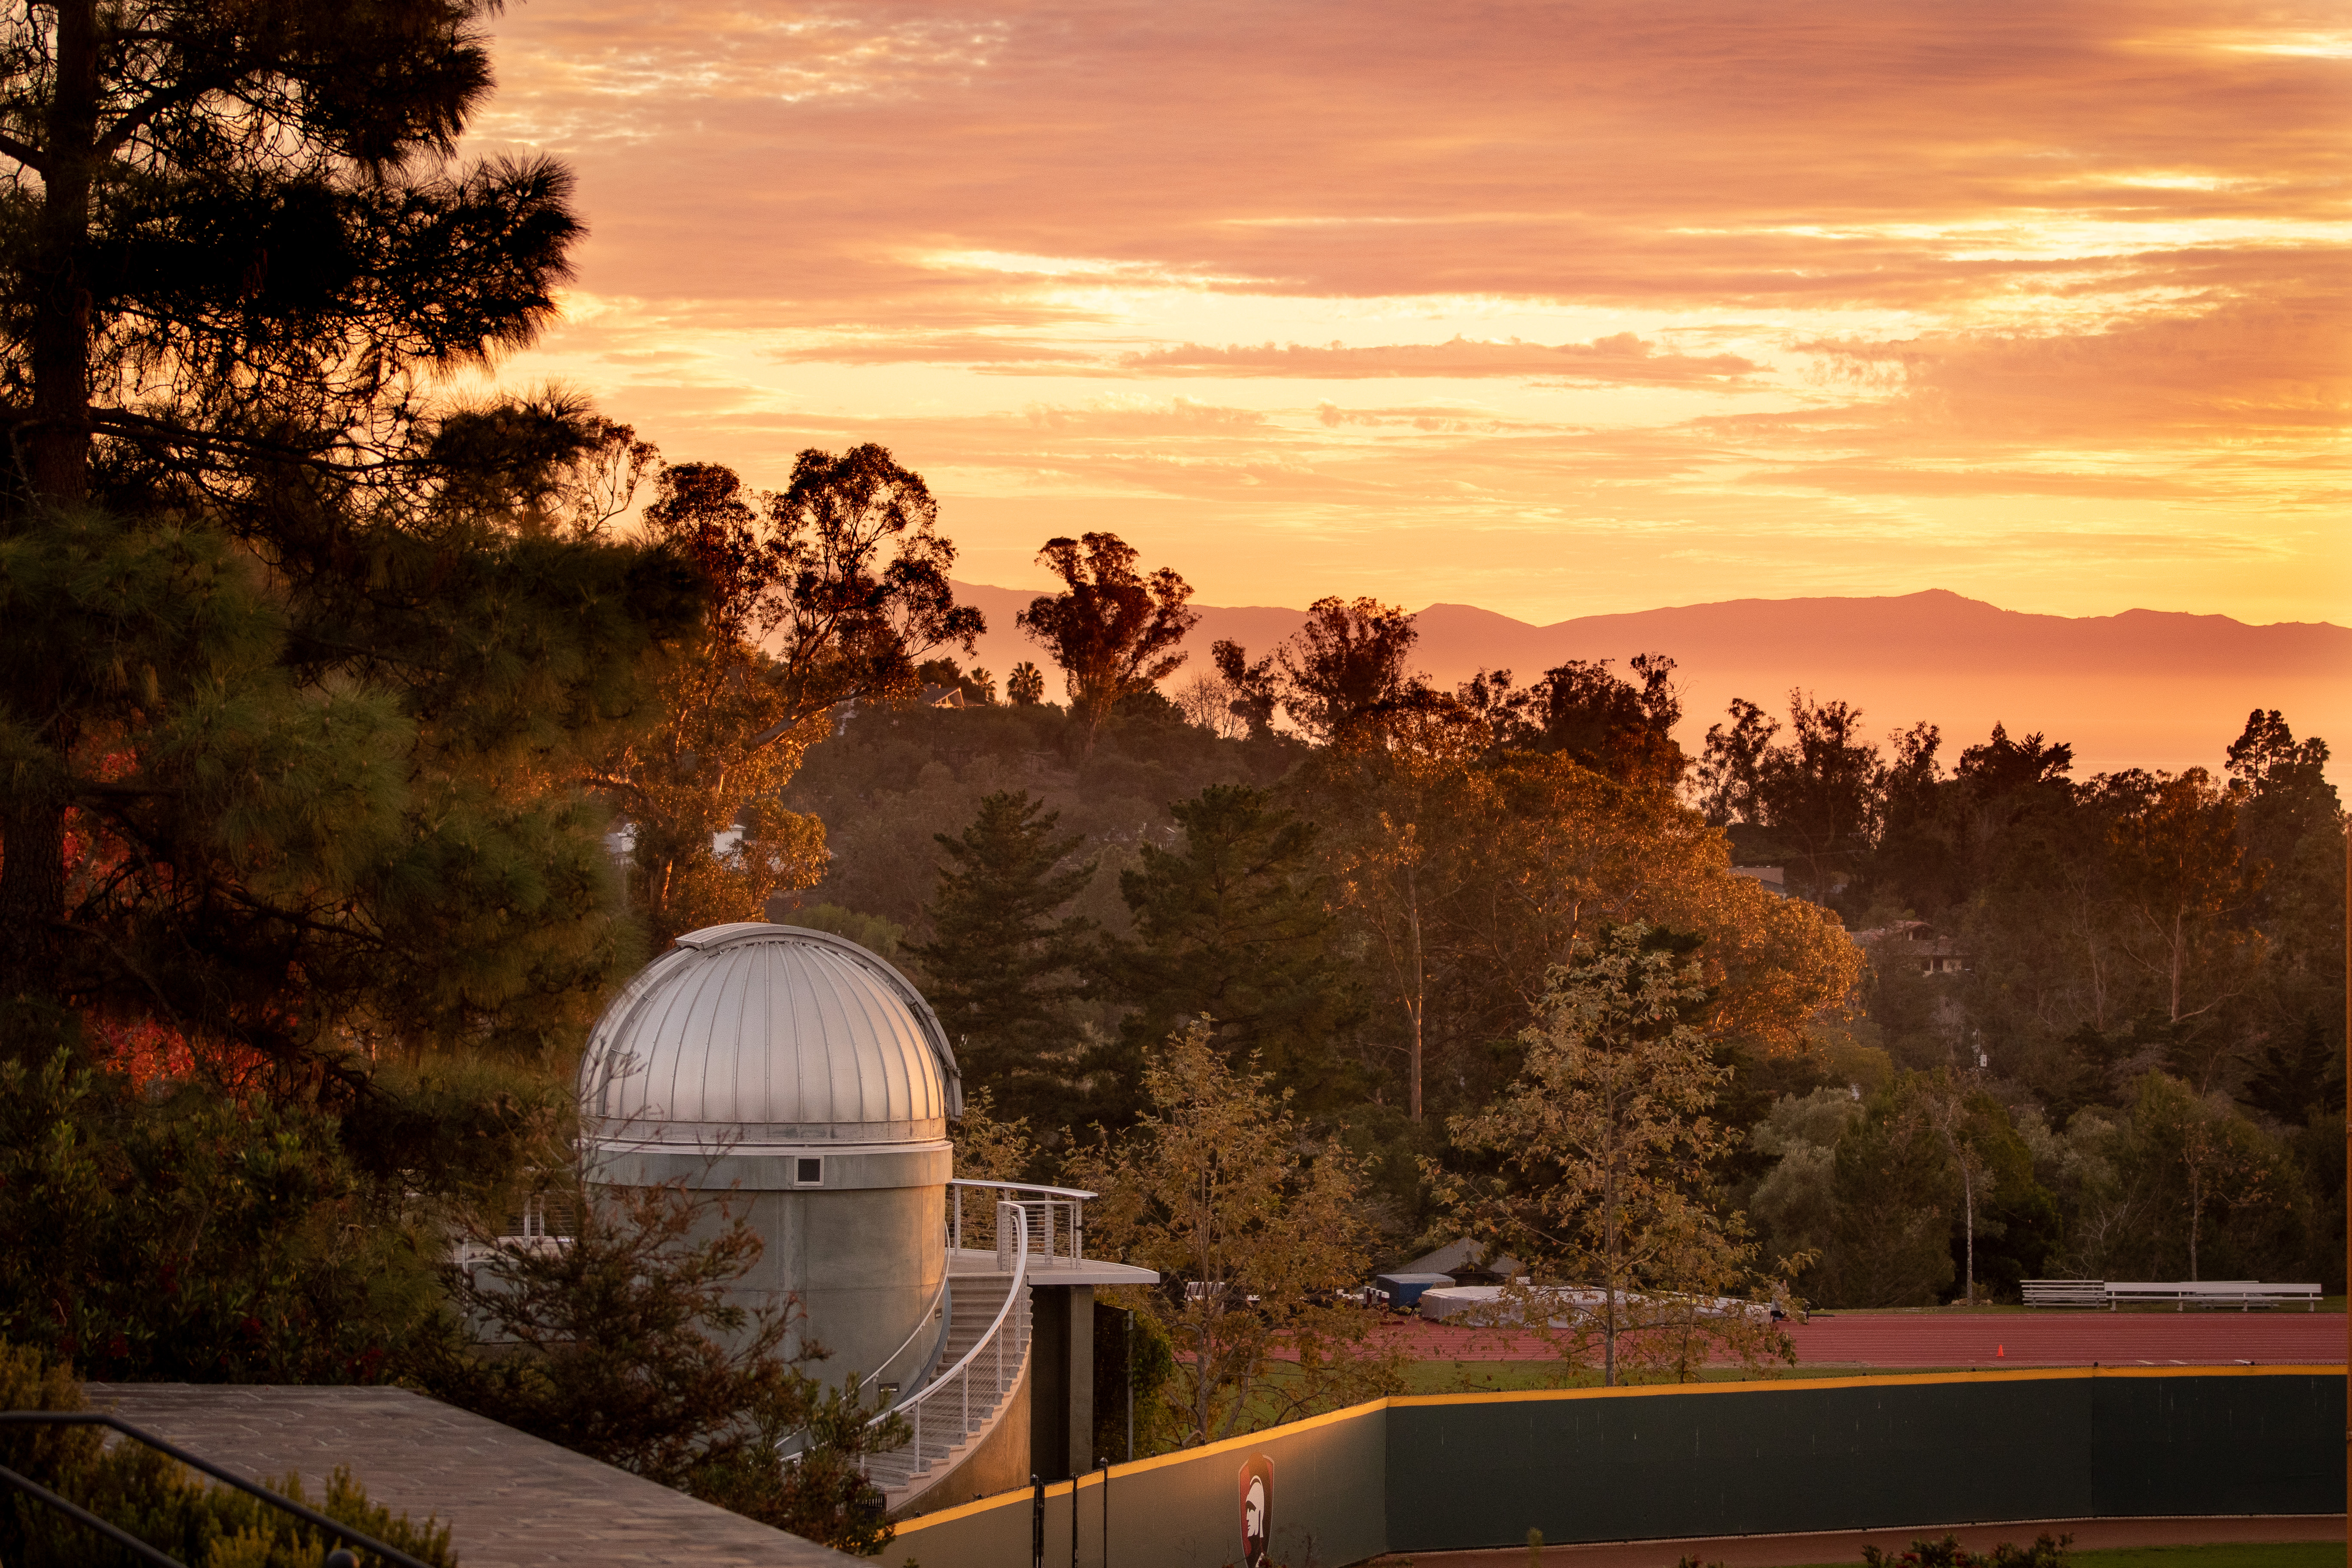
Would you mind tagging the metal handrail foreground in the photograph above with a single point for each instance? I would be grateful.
(334, 1529)
(959, 1376)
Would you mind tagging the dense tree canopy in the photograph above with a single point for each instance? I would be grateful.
(1232, 924)
(1004, 958)
(824, 595)
(299, 656)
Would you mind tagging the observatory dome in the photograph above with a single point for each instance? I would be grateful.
(753, 1035)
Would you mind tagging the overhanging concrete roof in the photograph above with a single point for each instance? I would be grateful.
(510, 1500)
(1053, 1271)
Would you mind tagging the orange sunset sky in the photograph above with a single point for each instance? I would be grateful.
(1554, 309)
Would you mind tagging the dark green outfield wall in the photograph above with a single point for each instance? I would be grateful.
(1763, 1458)
(1433, 1474)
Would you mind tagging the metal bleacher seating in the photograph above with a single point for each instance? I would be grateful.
(2243, 1294)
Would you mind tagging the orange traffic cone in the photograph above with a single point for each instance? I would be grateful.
(2001, 1351)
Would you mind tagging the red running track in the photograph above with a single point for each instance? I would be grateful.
(1983, 1340)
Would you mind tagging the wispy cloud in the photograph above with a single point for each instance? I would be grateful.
(1621, 357)
(1740, 298)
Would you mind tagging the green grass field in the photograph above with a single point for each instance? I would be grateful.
(2326, 1304)
(2258, 1555)
(2252, 1554)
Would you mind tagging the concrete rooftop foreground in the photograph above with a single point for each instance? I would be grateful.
(512, 1501)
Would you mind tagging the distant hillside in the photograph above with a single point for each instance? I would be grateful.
(2146, 688)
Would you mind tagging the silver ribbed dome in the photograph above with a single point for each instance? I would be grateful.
(753, 1034)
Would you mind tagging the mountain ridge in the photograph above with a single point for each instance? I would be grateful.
(2139, 687)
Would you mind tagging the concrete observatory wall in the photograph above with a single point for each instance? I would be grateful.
(866, 1250)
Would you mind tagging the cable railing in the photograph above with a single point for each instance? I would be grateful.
(953, 1405)
(1056, 1220)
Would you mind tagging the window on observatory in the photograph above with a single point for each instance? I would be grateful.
(808, 1172)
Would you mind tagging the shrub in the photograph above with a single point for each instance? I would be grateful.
(140, 1491)
(1949, 1553)
(192, 1236)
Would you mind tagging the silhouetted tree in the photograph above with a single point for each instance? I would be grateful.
(823, 595)
(1582, 711)
(2292, 826)
(1822, 789)
(977, 686)
(1344, 673)
(1112, 629)
(1254, 695)
(1730, 768)
(369, 635)
(1822, 793)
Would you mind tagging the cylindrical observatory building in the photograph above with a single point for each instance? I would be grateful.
(806, 1074)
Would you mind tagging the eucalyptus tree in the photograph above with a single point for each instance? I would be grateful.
(823, 595)
(1112, 629)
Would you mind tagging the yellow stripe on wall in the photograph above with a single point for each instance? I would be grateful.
(1645, 1391)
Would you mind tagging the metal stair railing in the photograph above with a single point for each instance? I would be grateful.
(1057, 1243)
(334, 1529)
(937, 1311)
(942, 1415)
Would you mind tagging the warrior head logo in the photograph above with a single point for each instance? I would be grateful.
(1258, 1510)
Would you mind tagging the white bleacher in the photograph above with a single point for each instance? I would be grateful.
(2243, 1294)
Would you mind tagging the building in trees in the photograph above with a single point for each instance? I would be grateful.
(1915, 944)
(807, 1079)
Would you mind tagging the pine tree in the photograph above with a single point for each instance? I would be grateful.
(1002, 961)
(1232, 925)
(300, 661)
